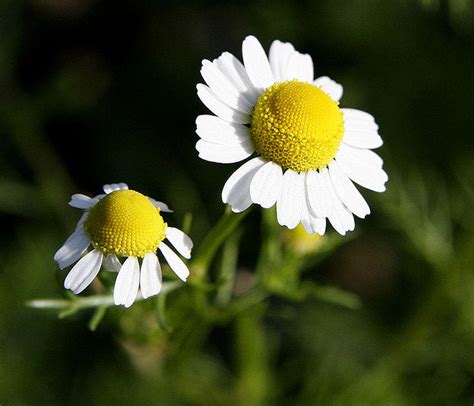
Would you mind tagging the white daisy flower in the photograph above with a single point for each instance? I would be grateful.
(308, 150)
(122, 223)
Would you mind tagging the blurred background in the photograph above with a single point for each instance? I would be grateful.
(94, 92)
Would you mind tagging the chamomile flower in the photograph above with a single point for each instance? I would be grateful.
(122, 224)
(309, 151)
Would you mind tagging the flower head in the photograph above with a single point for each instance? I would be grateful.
(309, 151)
(122, 223)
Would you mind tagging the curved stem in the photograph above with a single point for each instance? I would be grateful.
(211, 243)
(228, 269)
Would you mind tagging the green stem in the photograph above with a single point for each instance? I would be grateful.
(227, 269)
(78, 303)
(254, 383)
(211, 243)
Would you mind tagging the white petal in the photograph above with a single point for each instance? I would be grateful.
(357, 114)
(82, 219)
(363, 121)
(280, 53)
(311, 222)
(236, 191)
(113, 187)
(150, 276)
(347, 192)
(361, 131)
(290, 201)
(235, 72)
(361, 155)
(126, 284)
(224, 153)
(369, 139)
(341, 219)
(256, 63)
(160, 205)
(318, 224)
(223, 88)
(84, 272)
(214, 129)
(318, 194)
(180, 241)
(212, 102)
(175, 262)
(81, 201)
(300, 66)
(72, 249)
(112, 263)
(305, 219)
(330, 87)
(265, 186)
(367, 173)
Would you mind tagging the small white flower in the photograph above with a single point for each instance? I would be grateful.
(309, 151)
(122, 223)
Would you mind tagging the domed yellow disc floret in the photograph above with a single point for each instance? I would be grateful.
(297, 126)
(125, 223)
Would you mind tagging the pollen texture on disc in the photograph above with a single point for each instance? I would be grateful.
(125, 223)
(297, 126)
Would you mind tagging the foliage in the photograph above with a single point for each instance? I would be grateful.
(99, 91)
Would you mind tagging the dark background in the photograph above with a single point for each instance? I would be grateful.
(94, 92)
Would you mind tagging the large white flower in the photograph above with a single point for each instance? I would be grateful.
(122, 223)
(308, 150)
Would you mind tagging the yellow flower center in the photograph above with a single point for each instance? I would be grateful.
(297, 126)
(125, 223)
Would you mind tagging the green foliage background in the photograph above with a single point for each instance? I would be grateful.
(93, 92)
